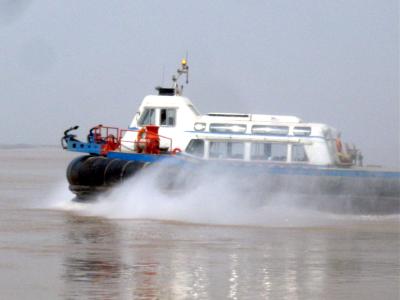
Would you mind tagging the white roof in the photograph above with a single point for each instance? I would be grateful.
(167, 101)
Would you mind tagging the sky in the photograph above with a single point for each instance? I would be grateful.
(64, 63)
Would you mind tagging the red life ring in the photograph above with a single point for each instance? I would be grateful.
(141, 140)
(339, 146)
(176, 150)
(148, 140)
(140, 134)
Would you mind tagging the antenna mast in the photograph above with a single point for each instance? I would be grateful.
(184, 69)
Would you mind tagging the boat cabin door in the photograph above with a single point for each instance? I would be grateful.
(167, 123)
(165, 118)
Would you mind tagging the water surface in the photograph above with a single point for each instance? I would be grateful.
(51, 248)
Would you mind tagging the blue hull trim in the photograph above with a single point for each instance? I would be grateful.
(147, 158)
(257, 167)
(77, 146)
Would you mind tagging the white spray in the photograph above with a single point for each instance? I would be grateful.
(159, 194)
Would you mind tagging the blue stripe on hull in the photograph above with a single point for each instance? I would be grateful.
(148, 158)
(262, 167)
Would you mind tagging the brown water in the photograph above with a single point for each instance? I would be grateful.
(52, 249)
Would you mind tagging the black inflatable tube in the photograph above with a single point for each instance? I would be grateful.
(90, 175)
(73, 169)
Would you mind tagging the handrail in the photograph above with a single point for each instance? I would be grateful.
(135, 142)
(100, 134)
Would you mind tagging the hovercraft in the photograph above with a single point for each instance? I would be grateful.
(280, 153)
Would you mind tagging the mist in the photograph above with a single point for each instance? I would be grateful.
(88, 62)
(208, 196)
(205, 199)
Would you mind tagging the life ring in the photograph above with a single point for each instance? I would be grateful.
(148, 140)
(339, 146)
(140, 134)
(176, 150)
(141, 140)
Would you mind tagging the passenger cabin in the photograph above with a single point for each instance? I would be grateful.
(272, 138)
(233, 136)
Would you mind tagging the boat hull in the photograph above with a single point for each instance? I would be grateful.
(331, 189)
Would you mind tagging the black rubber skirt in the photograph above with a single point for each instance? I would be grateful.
(90, 175)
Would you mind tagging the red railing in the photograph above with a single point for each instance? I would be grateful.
(131, 137)
(101, 133)
(116, 139)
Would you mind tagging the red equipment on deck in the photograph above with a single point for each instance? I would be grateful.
(148, 140)
(112, 139)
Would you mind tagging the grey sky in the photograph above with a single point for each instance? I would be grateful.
(87, 62)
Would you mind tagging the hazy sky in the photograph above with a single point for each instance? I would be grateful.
(87, 62)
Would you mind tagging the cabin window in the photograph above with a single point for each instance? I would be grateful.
(302, 131)
(167, 116)
(299, 153)
(196, 147)
(236, 128)
(232, 150)
(269, 151)
(148, 117)
(270, 130)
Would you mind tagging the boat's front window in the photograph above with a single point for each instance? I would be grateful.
(269, 151)
(167, 116)
(195, 147)
(299, 153)
(148, 117)
(270, 130)
(232, 150)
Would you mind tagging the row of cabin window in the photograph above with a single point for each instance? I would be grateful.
(167, 117)
(277, 130)
(259, 151)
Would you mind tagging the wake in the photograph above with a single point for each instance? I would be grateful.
(156, 194)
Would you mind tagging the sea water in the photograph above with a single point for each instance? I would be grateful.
(212, 242)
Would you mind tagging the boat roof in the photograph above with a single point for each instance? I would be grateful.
(177, 101)
(250, 117)
(165, 100)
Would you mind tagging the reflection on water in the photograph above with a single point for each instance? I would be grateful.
(156, 260)
(92, 262)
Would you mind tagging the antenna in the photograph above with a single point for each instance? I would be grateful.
(187, 73)
(184, 69)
